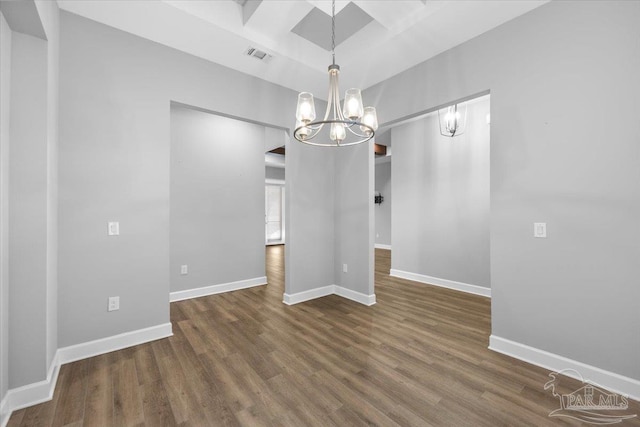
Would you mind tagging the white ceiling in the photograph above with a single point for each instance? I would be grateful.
(402, 33)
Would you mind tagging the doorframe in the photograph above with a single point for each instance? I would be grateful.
(280, 183)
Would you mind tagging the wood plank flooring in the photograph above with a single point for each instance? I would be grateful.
(418, 357)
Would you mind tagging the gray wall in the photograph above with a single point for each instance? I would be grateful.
(115, 94)
(5, 117)
(28, 211)
(334, 186)
(29, 187)
(274, 173)
(354, 221)
(274, 138)
(441, 204)
(49, 16)
(217, 199)
(383, 210)
(556, 89)
(310, 224)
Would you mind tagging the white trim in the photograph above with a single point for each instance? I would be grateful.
(4, 414)
(113, 343)
(217, 289)
(355, 296)
(291, 299)
(443, 283)
(609, 380)
(42, 391)
(30, 394)
(382, 246)
(273, 181)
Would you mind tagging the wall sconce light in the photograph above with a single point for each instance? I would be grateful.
(377, 198)
(453, 120)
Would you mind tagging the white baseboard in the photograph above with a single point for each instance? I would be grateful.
(299, 297)
(291, 299)
(443, 283)
(4, 414)
(31, 394)
(113, 343)
(217, 289)
(42, 391)
(610, 380)
(382, 246)
(355, 296)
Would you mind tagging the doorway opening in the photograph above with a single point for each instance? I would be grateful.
(274, 199)
(438, 189)
(274, 212)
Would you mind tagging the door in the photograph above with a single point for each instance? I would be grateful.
(274, 214)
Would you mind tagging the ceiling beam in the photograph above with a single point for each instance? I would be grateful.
(379, 150)
(248, 9)
(23, 17)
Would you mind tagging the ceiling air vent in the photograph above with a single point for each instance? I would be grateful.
(258, 54)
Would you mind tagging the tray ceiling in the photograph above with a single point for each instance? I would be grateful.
(375, 39)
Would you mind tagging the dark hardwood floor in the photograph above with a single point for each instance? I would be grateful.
(418, 357)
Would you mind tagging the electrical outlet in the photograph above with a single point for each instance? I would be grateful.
(344, 268)
(184, 269)
(114, 304)
(113, 228)
(540, 229)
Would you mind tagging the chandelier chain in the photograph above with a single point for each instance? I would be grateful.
(333, 31)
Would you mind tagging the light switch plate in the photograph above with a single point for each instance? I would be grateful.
(184, 269)
(113, 228)
(540, 229)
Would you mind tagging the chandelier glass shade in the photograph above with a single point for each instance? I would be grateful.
(350, 124)
(453, 120)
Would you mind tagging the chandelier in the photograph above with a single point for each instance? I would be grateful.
(453, 122)
(349, 125)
